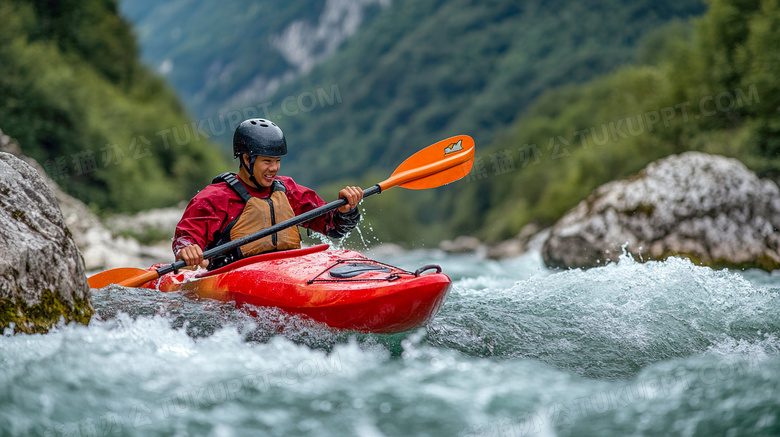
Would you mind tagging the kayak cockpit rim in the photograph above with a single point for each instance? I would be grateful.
(270, 256)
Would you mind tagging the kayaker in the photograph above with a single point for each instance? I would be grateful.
(235, 205)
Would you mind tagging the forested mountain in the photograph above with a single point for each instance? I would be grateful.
(426, 70)
(711, 85)
(415, 72)
(74, 94)
(227, 54)
(560, 96)
(419, 71)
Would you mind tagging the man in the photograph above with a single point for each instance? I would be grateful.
(257, 197)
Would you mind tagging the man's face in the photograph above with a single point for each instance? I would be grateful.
(265, 169)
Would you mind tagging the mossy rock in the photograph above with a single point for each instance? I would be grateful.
(37, 318)
(42, 276)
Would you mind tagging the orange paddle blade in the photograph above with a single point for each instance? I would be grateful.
(139, 280)
(114, 276)
(434, 166)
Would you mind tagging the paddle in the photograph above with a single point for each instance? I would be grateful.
(434, 166)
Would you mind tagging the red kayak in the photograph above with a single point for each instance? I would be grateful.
(340, 288)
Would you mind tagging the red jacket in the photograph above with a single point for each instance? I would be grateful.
(217, 205)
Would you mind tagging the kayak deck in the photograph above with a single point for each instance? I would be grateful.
(341, 288)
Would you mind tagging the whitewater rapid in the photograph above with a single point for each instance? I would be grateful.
(656, 348)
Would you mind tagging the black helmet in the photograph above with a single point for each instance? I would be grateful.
(258, 136)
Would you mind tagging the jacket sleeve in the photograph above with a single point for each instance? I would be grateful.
(198, 224)
(344, 222)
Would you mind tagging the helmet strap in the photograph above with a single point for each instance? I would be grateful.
(250, 169)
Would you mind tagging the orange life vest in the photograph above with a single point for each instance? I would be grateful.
(259, 213)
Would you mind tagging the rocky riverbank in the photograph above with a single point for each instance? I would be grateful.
(530, 237)
(710, 209)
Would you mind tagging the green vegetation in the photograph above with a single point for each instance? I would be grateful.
(78, 100)
(39, 318)
(560, 97)
(426, 70)
(710, 86)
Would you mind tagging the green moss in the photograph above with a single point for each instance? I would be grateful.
(20, 215)
(39, 318)
(5, 191)
(93, 92)
(641, 209)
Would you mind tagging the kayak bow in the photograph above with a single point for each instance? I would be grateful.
(341, 288)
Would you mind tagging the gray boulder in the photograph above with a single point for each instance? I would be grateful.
(462, 244)
(531, 237)
(42, 275)
(100, 247)
(708, 208)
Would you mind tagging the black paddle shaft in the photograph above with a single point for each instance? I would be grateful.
(305, 217)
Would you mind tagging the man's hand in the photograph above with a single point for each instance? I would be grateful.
(192, 255)
(353, 195)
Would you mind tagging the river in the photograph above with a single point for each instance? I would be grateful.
(656, 348)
